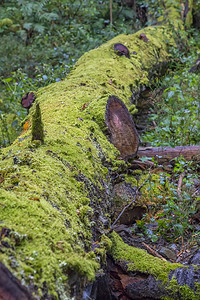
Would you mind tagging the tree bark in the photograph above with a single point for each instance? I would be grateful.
(10, 286)
(56, 196)
(165, 154)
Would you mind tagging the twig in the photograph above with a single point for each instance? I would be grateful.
(153, 252)
(142, 164)
(180, 181)
(134, 198)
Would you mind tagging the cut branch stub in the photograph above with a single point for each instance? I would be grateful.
(27, 100)
(120, 49)
(144, 37)
(123, 133)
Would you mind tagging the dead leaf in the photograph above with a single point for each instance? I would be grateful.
(85, 105)
(35, 199)
(26, 126)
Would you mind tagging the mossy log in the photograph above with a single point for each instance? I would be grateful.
(56, 195)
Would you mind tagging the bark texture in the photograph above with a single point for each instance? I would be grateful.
(165, 154)
(10, 286)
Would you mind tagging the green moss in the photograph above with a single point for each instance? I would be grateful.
(102, 248)
(131, 179)
(189, 17)
(6, 22)
(37, 125)
(47, 189)
(187, 293)
(138, 259)
(132, 109)
(184, 291)
(84, 267)
(106, 242)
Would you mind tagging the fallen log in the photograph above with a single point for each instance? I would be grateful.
(56, 194)
(166, 154)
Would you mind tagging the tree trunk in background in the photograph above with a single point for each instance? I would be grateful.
(56, 196)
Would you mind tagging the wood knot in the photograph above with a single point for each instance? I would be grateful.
(28, 100)
(144, 37)
(120, 49)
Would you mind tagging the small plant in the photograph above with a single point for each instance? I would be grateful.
(178, 114)
(172, 218)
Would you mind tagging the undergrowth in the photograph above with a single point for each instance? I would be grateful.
(175, 115)
(175, 121)
(173, 216)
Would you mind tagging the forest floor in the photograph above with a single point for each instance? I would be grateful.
(169, 229)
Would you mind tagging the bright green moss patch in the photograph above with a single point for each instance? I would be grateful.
(43, 200)
(42, 237)
(188, 294)
(138, 259)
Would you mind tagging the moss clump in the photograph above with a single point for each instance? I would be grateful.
(184, 292)
(6, 22)
(140, 260)
(37, 125)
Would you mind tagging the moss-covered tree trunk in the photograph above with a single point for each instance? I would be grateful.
(56, 196)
